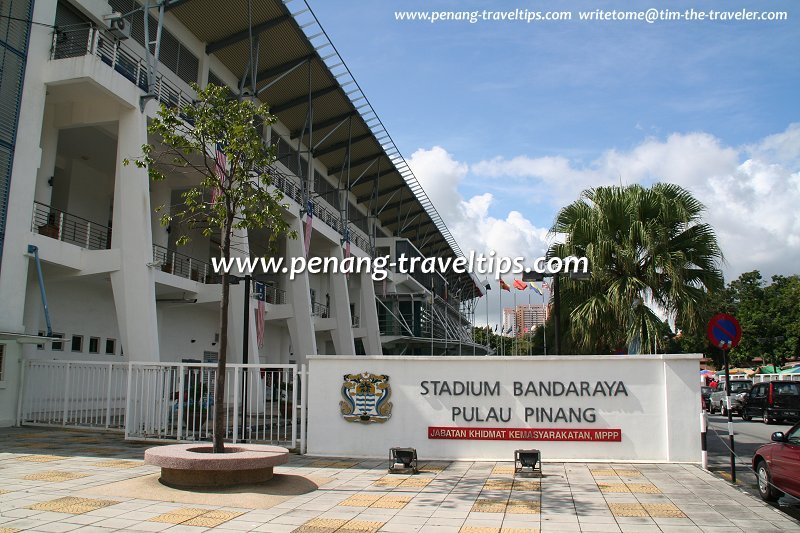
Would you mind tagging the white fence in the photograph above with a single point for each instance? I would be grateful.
(167, 401)
(761, 378)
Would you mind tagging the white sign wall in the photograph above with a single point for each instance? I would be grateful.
(604, 408)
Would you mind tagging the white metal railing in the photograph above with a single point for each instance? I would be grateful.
(174, 262)
(166, 401)
(761, 378)
(76, 394)
(66, 227)
(84, 39)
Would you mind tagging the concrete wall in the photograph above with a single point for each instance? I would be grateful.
(657, 414)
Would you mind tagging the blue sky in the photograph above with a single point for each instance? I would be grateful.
(515, 119)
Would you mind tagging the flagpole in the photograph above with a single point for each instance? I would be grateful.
(515, 342)
(488, 341)
(501, 347)
(544, 324)
(529, 335)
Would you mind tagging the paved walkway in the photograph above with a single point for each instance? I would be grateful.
(56, 480)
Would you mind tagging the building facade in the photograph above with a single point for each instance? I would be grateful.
(524, 319)
(117, 286)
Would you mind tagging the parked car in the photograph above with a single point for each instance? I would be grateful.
(739, 388)
(705, 394)
(777, 465)
(773, 401)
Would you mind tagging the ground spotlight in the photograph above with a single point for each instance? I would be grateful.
(404, 461)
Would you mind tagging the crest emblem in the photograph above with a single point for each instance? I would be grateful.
(366, 398)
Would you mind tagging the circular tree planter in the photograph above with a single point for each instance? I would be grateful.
(195, 466)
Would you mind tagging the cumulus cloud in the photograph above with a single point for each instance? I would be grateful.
(469, 220)
(750, 192)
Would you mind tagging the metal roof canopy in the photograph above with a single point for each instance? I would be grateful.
(294, 56)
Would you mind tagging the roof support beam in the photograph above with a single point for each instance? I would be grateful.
(172, 4)
(244, 34)
(283, 67)
(353, 164)
(324, 123)
(294, 102)
(381, 192)
(340, 145)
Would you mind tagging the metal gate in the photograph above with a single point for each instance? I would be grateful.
(167, 401)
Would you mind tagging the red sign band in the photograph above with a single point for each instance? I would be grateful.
(536, 434)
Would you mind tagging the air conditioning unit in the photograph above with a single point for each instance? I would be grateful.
(120, 28)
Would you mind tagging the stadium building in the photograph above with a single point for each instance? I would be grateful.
(80, 79)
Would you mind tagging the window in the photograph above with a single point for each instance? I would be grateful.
(77, 343)
(793, 437)
(111, 346)
(94, 345)
(57, 346)
(786, 389)
(2, 360)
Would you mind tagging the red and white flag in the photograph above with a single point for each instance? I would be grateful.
(309, 224)
(260, 323)
(220, 167)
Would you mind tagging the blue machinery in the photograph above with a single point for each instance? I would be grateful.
(35, 251)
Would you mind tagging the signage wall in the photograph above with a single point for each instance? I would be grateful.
(594, 408)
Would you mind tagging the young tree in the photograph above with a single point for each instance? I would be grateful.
(216, 142)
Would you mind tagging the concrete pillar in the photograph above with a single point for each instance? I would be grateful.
(160, 195)
(27, 158)
(342, 335)
(369, 316)
(49, 145)
(133, 284)
(240, 247)
(301, 325)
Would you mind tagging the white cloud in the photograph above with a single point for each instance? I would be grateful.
(751, 193)
(468, 219)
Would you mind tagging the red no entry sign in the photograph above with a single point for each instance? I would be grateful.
(724, 331)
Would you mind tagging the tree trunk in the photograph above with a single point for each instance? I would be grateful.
(219, 389)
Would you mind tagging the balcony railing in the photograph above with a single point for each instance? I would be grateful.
(268, 293)
(182, 265)
(81, 40)
(331, 218)
(72, 229)
(320, 310)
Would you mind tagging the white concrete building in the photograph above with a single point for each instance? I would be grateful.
(117, 286)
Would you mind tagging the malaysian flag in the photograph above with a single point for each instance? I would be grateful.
(260, 323)
(220, 165)
(309, 222)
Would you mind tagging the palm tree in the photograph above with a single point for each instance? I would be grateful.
(649, 253)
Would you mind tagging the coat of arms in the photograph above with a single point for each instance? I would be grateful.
(366, 398)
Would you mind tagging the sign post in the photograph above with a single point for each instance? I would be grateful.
(725, 332)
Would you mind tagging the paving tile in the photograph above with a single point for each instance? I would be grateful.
(40, 458)
(627, 509)
(122, 463)
(54, 476)
(72, 505)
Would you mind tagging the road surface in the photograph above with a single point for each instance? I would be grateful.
(748, 436)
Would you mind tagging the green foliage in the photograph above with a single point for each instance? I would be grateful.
(188, 137)
(648, 249)
(766, 312)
